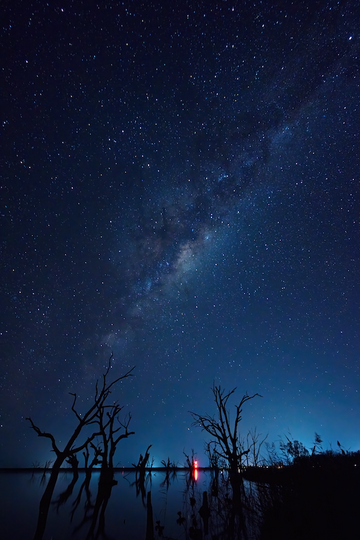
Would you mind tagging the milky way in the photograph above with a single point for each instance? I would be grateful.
(164, 242)
(180, 188)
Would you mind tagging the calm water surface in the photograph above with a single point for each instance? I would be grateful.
(125, 515)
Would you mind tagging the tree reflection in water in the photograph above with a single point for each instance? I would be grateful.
(215, 512)
(173, 505)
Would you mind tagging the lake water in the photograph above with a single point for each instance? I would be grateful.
(125, 514)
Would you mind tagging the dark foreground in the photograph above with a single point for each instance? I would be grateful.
(307, 500)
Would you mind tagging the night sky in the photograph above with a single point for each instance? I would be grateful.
(180, 186)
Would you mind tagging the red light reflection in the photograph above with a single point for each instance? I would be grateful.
(196, 472)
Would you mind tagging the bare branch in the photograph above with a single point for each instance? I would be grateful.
(73, 406)
(224, 432)
(44, 434)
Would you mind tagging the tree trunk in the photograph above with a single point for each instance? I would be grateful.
(46, 499)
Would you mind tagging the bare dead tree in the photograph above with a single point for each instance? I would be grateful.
(143, 461)
(141, 467)
(110, 437)
(225, 434)
(72, 447)
(254, 442)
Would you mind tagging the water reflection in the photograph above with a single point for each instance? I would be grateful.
(301, 503)
(168, 504)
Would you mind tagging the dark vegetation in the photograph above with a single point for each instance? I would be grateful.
(308, 494)
(257, 489)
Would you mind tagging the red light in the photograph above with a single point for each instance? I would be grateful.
(195, 464)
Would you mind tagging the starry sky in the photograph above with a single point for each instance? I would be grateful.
(179, 186)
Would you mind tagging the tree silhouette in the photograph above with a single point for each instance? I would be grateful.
(292, 450)
(143, 463)
(228, 445)
(225, 435)
(92, 416)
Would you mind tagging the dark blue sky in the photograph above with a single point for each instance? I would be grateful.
(180, 186)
